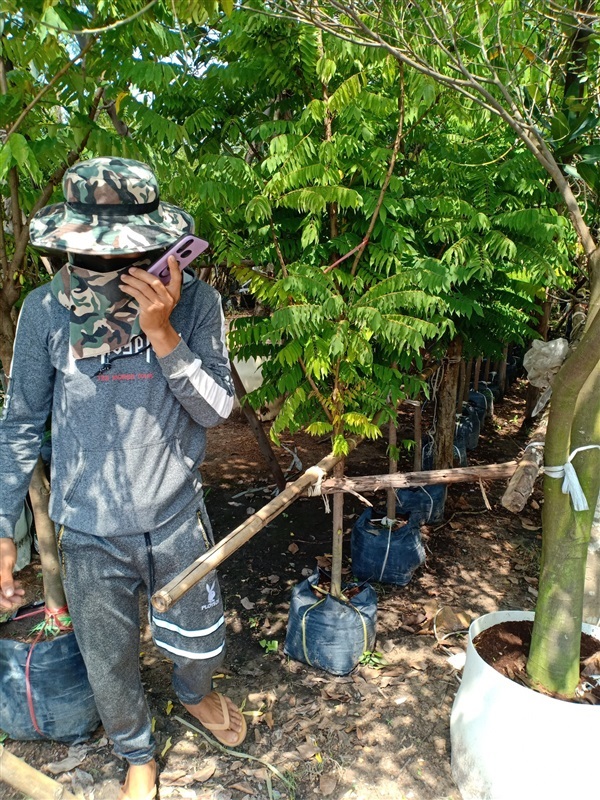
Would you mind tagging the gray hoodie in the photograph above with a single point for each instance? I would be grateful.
(128, 429)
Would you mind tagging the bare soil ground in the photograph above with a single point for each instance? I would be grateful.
(377, 733)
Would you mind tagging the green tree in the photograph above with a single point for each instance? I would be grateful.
(535, 66)
(66, 71)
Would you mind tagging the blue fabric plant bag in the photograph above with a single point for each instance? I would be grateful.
(384, 555)
(489, 396)
(470, 414)
(328, 633)
(62, 698)
(425, 502)
(462, 429)
(480, 402)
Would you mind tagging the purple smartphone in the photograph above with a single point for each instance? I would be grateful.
(184, 250)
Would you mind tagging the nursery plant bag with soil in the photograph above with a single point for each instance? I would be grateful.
(386, 555)
(489, 396)
(328, 633)
(479, 400)
(462, 428)
(60, 695)
(470, 415)
(426, 501)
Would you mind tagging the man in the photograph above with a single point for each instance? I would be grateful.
(133, 372)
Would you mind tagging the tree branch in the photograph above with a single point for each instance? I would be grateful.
(45, 89)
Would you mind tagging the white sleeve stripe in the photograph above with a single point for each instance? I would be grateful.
(215, 395)
(189, 653)
(161, 623)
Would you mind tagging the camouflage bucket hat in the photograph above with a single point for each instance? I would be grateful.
(112, 207)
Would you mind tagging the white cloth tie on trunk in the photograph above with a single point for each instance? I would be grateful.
(571, 483)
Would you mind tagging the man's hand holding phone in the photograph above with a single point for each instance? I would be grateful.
(158, 289)
(156, 302)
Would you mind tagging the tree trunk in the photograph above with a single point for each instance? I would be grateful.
(591, 593)
(392, 467)
(501, 375)
(39, 493)
(338, 534)
(574, 422)
(446, 407)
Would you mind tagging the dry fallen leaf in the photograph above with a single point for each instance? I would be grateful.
(242, 787)
(293, 548)
(247, 604)
(307, 750)
(178, 777)
(530, 526)
(268, 718)
(327, 784)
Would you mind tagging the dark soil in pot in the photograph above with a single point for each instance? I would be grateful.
(505, 647)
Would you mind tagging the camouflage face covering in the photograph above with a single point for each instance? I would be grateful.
(112, 208)
(103, 318)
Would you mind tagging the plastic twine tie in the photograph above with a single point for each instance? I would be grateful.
(318, 603)
(387, 551)
(51, 614)
(571, 485)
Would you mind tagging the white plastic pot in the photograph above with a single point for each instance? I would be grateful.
(511, 743)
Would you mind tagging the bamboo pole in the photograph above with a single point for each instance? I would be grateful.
(165, 597)
(374, 483)
(33, 783)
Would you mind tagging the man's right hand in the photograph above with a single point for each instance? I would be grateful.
(10, 590)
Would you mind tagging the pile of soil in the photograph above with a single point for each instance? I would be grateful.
(379, 732)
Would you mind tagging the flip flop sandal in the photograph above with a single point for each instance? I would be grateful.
(150, 796)
(216, 727)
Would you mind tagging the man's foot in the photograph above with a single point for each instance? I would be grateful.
(140, 783)
(221, 717)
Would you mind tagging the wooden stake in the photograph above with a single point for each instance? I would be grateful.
(521, 484)
(33, 783)
(164, 598)
(374, 483)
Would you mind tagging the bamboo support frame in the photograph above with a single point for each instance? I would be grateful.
(165, 597)
(33, 783)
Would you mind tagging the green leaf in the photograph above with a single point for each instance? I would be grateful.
(590, 174)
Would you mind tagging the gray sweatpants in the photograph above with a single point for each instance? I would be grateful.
(103, 578)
